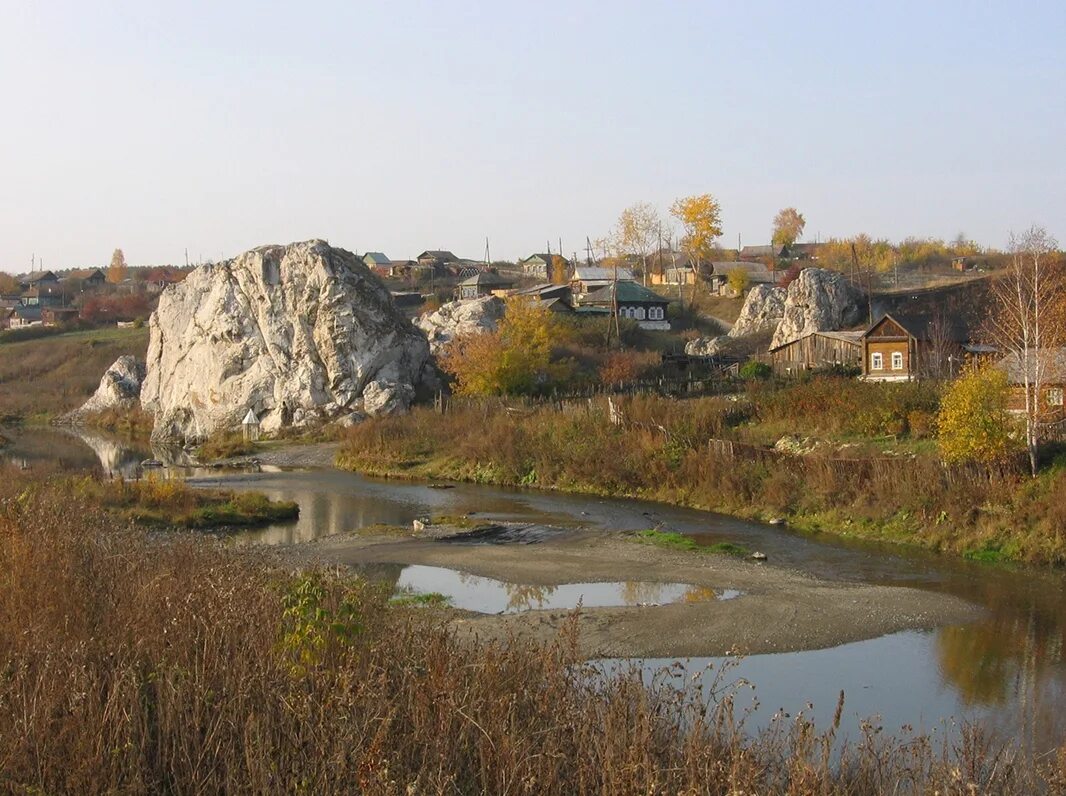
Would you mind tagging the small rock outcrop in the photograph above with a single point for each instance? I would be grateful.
(762, 312)
(818, 300)
(120, 388)
(298, 334)
(457, 318)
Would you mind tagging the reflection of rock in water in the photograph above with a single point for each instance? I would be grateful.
(116, 457)
(386, 574)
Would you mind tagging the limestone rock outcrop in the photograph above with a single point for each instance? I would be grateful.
(298, 334)
(461, 317)
(120, 388)
(818, 300)
(763, 309)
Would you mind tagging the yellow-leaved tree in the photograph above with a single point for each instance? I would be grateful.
(515, 359)
(974, 424)
(738, 280)
(116, 272)
(788, 226)
(701, 219)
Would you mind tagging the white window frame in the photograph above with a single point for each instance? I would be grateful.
(1055, 396)
(877, 361)
(897, 360)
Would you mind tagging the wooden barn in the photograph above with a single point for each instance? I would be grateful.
(817, 351)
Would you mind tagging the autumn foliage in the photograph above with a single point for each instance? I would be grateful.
(516, 359)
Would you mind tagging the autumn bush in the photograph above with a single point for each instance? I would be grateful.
(137, 663)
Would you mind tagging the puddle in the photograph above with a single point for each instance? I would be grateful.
(490, 596)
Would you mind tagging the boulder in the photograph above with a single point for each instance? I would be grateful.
(456, 318)
(763, 310)
(298, 334)
(120, 388)
(818, 300)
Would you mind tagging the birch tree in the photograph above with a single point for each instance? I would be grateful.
(1027, 323)
(638, 228)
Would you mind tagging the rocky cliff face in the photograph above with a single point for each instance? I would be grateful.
(459, 318)
(120, 388)
(819, 300)
(299, 334)
(763, 309)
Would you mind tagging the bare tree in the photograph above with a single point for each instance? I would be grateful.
(1027, 323)
(938, 354)
(638, 229)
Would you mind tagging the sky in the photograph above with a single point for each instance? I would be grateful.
(402, 126)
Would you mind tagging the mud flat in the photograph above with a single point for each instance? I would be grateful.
(777, 609)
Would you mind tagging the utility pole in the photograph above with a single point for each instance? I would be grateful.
(186, 256)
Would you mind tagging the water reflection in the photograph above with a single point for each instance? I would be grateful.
(1008, 666)
(491, 596)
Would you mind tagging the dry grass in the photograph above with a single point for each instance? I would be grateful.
(137, 664)
(661, 452)
(40, 379)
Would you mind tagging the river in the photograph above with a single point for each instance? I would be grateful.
(1005, 670)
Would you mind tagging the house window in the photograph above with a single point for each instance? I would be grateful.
(1055, 396)
(897, 360)
(877, 361)
(640, 313)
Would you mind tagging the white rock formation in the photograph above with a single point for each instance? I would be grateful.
(120, 388)
(461, 317)
(762, 312)
(818, 300)
(298, 334)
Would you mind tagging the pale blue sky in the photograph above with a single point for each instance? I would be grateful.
(402, 126)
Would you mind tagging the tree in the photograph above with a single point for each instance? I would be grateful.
(558, 270)
(638, 228)
(701, 219)
(738, 280)
(788, 226)
(514, 359)
(974, 424)
(1029, 320)
(116, 272)
(8, 284)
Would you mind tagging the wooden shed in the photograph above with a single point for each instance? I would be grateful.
(817, 350)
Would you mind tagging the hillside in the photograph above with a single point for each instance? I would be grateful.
(42, 378)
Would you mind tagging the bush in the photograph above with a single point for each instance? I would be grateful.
(225, 445)
(753, 369)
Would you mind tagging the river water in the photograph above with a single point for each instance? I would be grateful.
(1006, 669)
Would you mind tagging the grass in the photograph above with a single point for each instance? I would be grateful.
(660, 451)
(41, 379)
(148, 663)
(160, 502)
(678, 541)
(226, 445)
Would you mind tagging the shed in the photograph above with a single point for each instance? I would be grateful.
(250, 426)
(817, 350)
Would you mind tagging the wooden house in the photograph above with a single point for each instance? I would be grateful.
(539, 266)
(556, 298)
(484, 283)
(757, 274)
(817, 351)
(902, 347)
(1050, 364)
(21, 316)
(377, 262)
(588, 278)
(436, 258)
(634, 301)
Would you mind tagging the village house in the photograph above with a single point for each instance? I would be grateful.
(818, 351)
(1052, 362)
(484, 283)
(635, 302)
(757, 274)
(378, 263)
(45, 279)
(768, 252)
(557, 298)
(902, 347)
(22, 316)
(90, 278)
(539, 266)
(436, 258)
(588, 278)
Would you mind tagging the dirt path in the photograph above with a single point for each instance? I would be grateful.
(779, 609)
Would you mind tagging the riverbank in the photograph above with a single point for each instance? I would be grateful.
(660, 450)
(775, 609)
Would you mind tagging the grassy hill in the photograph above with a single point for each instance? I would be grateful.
(42, 378)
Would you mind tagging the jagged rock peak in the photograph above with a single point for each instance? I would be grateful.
(298, 334)
(460, 318)
(818, 300)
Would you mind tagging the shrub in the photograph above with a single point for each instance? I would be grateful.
(753, 369)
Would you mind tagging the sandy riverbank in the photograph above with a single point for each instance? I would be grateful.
(780, 609)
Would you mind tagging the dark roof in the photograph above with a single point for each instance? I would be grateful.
(377, 258)
(86, 273)
(438, 254)
(920, 325)
(487, 279)
(547, 258)
(627, 292)
(29, 313)
(1054, 360)
(41, 276)
(762, 251)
